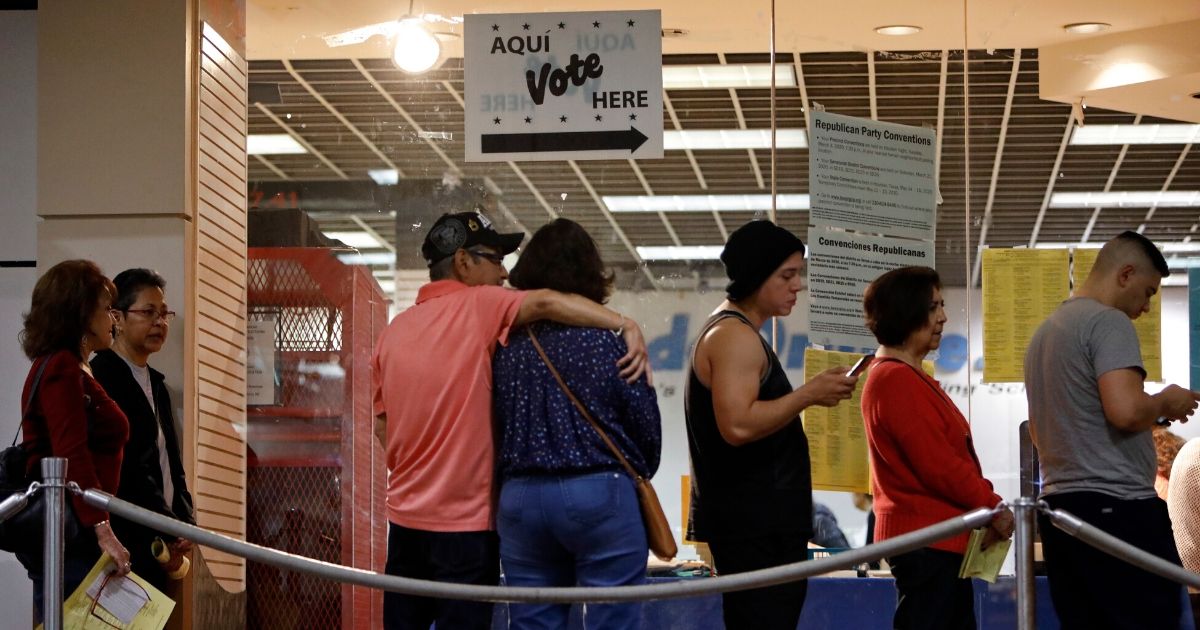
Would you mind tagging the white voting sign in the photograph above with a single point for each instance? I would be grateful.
(563, 86)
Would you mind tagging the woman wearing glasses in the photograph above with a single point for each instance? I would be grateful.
(70, 415)
(152, 474)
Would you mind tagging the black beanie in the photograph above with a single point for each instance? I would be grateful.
(753, 252)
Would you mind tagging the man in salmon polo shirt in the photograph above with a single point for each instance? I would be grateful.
(432, 375)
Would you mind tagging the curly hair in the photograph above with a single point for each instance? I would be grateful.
(896, 304)
(562, 256)
(64, 300)
(1166, 447)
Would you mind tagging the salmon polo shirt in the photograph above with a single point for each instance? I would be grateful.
(432, 376)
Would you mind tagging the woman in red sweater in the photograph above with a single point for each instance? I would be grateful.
(923, 464)
(70, 415)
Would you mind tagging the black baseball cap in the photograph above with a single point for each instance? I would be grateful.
(452, 232)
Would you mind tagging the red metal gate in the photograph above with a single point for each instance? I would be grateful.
(316, 476)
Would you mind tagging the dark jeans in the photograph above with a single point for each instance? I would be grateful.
(1092, 590)
(79, 556)
(460, 557)
(930, 595)
(773, 607)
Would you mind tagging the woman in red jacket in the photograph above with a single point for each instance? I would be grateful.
(923, 464)
(70, 416)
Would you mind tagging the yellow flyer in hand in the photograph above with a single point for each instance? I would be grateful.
(104, 601)
(983, 563)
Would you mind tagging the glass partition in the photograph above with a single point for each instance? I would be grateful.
(375, 154)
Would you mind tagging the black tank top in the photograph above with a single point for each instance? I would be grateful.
(760, 488)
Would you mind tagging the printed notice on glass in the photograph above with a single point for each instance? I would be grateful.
(837, 440)
(1021, 287)
(563, 86)
(840, 266)
(1148, 326)
(260, 361)
(872, 176)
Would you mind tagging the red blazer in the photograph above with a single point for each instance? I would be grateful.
(57, 426)
(923, 464)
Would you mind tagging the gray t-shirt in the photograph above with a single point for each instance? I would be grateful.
(1078, 448)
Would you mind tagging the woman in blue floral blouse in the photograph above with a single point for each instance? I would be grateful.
(568, 513)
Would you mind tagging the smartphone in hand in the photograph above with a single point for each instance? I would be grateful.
(861, 365)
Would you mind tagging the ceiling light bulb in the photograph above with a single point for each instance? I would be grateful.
(1085, 28)
(417, 50)
(898, 29)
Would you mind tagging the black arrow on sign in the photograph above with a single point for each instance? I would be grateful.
(563, 141)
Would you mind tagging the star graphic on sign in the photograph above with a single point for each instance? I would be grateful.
(495, 27)
(633, 117)
(599, 118)
(496, 120)
(595, 25)
(528, 120)
(525, 26)
(630, 22)
(562, 119)
(562, 25)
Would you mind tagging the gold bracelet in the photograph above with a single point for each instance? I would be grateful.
(104, 522)
(620, 329)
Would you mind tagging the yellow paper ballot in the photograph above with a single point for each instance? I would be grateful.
(983, 563)
(103, 601)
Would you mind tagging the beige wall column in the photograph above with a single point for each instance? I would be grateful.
(141, 161)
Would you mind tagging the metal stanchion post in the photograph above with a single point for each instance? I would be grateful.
(54, 484)
(1025, 509)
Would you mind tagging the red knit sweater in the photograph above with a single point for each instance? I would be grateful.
(57, 426)
(923, 464)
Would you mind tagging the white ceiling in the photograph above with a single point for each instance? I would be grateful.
(292, 29)
(359, 113)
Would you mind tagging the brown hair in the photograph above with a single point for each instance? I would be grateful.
(1166, 447)
(64, 300)
(562, 256)
(896, 304)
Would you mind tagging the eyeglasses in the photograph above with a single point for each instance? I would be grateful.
(100, 593)
(495, 258)
(153, 314)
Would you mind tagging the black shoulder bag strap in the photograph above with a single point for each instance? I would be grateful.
(37, 379)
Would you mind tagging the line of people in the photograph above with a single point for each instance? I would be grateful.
(110, 417)
(480, 437)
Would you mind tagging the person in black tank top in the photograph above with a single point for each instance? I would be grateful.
(751, 497)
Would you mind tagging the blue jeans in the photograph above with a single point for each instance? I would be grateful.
(583, 530)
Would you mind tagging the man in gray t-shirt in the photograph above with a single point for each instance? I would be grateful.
(1090, 420)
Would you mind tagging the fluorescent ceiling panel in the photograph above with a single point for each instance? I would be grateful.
(1136, 134)
(379, 258)
(356, 239)
(702, 203)
(272, 144)
(709, 139)
(755, 75)
(1127, 199)
(384, 176)
(689, 252)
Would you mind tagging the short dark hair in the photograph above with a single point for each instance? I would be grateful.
(64, 300)
(131, 282)
(562, 256)
(1148, 248)
(896, 304)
